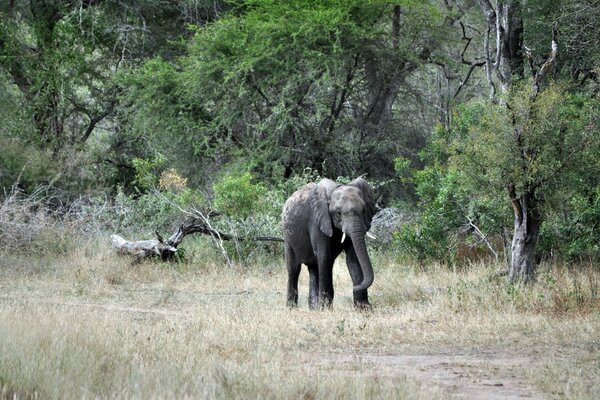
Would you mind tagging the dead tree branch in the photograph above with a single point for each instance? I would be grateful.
(200, 223)
(482, 238)
(472, 64)
(166, 250)
(539, 75)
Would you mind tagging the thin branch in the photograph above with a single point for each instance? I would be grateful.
(472, 64)
(468, 42)
(205, 229)
(483, 238)
(488, 63)
(529, 55)
(259, 90)
(337, 106)
(549, 61)
(94, 121)
(467, 76)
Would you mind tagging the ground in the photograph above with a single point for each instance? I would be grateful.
(94, 324)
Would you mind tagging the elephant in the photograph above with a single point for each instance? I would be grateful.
(319, 222)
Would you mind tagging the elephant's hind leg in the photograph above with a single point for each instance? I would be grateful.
(313, 286)
(293, 268)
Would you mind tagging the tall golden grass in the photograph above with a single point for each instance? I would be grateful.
(87, 323)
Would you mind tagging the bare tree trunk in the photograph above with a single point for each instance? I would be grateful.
(528, 221)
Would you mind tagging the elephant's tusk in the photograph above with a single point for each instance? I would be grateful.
(343, 237)
(371, 236)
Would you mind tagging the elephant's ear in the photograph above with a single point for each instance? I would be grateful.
(368, 197)
(320, 205)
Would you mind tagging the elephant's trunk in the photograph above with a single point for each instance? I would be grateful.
(360, 247)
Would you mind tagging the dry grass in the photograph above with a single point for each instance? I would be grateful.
(91, 324)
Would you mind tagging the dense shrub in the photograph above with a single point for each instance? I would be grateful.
(450, 202)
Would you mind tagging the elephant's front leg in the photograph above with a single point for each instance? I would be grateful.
(326, 281)
(361, 298)
(322, 252)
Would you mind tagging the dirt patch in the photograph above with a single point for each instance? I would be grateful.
(469, 376)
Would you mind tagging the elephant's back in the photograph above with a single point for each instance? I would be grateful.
(296, 209)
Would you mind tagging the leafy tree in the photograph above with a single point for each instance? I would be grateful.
(63, 57)
(290, 85)
(237, 195)
(56, 57)
(519, 153)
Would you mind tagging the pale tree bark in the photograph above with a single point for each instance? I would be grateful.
(504, 61)
(528, 221)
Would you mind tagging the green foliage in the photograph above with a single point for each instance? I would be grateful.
(450, 197)
(277, 78)
(149, 101)
(572, 231)
(531, 144)
(402, 166)
(24, 164)
(64, 59)
(156, 110)
(238, 195)
(147, 171)
(56, 60)
(145, 213)
(21, 161)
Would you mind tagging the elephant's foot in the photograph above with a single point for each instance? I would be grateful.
(325, 303)
(361, 301)
(292, 297)
(292, 304)
(362, 306)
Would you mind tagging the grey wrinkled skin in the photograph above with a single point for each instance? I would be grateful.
(314, 220)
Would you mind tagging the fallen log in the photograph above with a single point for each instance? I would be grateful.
(166, 250)
(143, 248)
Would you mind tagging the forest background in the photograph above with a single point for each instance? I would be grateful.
(478, 119)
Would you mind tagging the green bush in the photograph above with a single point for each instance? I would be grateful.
(447, 196)
(238, 196)
(23, 164)
(21, 161)
(572, 232)
(147, 171)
